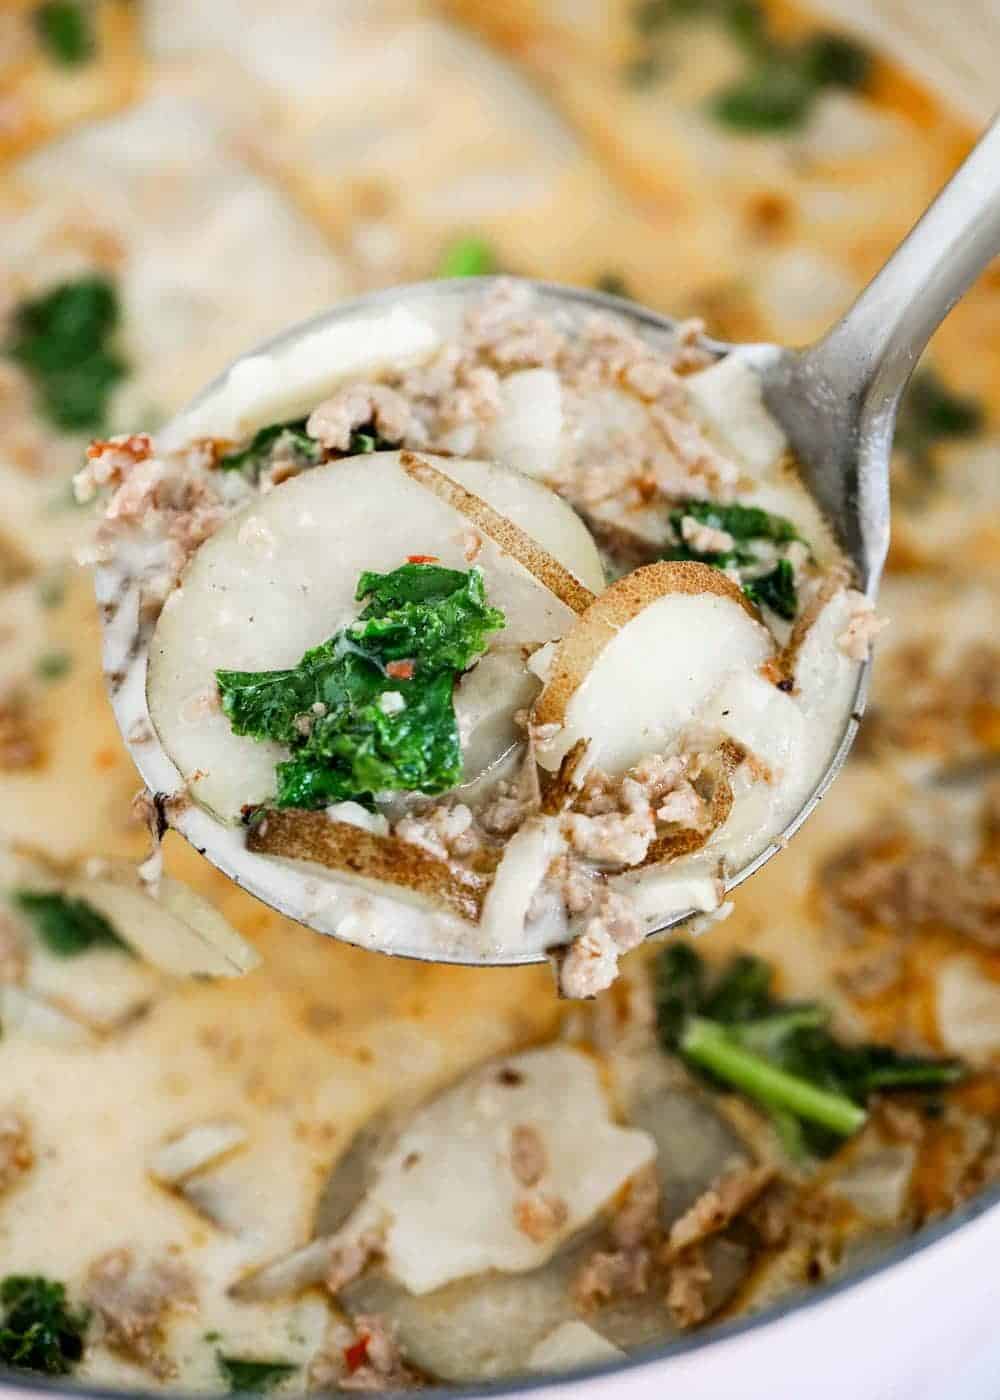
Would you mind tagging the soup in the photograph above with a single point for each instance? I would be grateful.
(184, 1155)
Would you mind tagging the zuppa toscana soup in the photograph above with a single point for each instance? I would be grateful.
(407, 667)
(215, 1126)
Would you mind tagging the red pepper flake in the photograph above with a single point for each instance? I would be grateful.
(356, 1354)
(422, 558)
(401, 670)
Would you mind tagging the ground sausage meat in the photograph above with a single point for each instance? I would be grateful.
(717, 1207)
(528, 1158)
(133, 1302)
(539, 1216)
(17, 1156)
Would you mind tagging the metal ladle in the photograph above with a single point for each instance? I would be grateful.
(836, 400)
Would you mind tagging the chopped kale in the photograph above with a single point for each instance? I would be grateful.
(741, 992)
(422, 626)
(775, 590)
(66, 926)
(257, 453)
(293, 439)
(367, 439)
(780, 1054)
(643, 70)
(836, 60)
(52, 665)
(65, 31)
(746, 22)
(742, 522)
(775, 95)
(63, 341)
(743, 18)
(246, 1377)
(783, 79)
(469, 257)
(52, 589)
(746, 524)
(931, 413)
(38, 1332)
(615, 285)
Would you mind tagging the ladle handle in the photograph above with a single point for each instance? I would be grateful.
(873, 348)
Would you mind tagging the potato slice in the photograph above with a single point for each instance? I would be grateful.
(369, 858)
(643, 660)
(527, 432)
(449, 1191)
(280, 577)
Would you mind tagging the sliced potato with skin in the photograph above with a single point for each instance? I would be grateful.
(370, 858)
(487, 1325)
(280, 577)
(447, 1189)
(640, 663)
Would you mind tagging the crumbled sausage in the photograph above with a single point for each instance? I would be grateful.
(374, 1360)
(863, 627)
(333, 421)
(13, 953)
(110, 462)
(133, 1303)
(617, 838)
(17, 1156)
(444, 830)
(891, 878)
(539, 1216)
(688, 1286)
(717, 1207)
(607, 1276)
(528, 1160)
(638, 1218)
(590, 964)
(20, 738)
(705, 539)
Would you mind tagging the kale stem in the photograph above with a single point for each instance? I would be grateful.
(711, 1047)
(764, 1034)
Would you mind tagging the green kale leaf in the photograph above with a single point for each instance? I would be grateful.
(469, 257)
(372, 709)
(293, 438)
(779, 90)
(257, 454)
(931, 413)
(66, 926)
(836, 60)
(65, 31)
(246, 1377)
(780, 1054)
(62, 340)
(746, 524)
(367, 439)
(38, 1332)
(742, 522)
(776, 95)
(775, 590)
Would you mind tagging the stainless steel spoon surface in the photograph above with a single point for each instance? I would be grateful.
(837, 401)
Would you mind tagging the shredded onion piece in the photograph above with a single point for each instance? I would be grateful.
(178, 931)
(181, 1156)
(32, 1016)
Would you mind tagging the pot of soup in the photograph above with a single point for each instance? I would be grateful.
(759, 1155)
